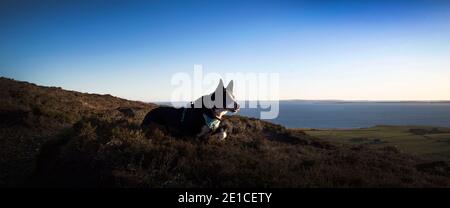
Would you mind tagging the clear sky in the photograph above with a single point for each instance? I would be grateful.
(351, 50)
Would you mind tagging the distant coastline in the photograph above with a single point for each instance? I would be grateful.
(333, 101)
(368, 101)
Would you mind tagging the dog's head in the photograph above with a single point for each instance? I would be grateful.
(224, 99)
(221, 100)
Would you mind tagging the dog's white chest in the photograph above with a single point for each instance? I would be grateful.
(214, 125)
(211, 123)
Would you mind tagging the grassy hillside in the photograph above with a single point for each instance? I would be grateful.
(424, 141)
(52, 137)
(31, 115)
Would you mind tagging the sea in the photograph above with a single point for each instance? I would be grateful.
(342, 114)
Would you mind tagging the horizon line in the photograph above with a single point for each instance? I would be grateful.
(290, 99)
(327, 100)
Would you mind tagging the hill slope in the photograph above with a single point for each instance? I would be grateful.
(31, 115)
(53, 137)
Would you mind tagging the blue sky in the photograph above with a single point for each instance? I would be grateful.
(351, 50)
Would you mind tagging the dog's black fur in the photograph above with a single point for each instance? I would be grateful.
(170, 119)
(192, 122)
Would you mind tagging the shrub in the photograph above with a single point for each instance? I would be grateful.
(120, 154)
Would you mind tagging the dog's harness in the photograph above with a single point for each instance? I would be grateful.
(212, 123)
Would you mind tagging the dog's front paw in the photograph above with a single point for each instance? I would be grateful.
(221, 136)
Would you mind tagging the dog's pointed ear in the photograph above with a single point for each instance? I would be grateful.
(220, 87)
(230, 86)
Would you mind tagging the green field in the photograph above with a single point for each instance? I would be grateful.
(425, 141)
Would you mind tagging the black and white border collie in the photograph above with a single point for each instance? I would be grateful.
(200, 119)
